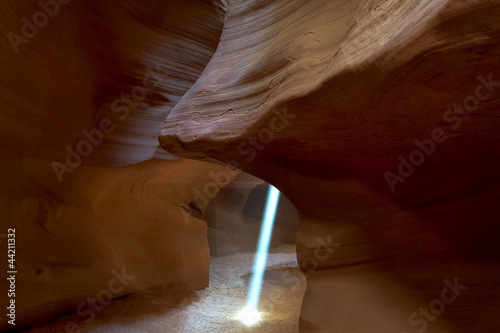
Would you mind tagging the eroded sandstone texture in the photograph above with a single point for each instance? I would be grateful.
(84, 92)
(325, 100)
(377, 119)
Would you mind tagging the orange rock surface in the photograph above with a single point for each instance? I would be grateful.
(378, 120)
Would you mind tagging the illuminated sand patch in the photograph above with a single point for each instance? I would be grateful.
(172, 309)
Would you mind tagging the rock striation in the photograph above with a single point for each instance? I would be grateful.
(99, 210)
(379, 121)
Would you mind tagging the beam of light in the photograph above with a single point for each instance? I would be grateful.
(249, 315)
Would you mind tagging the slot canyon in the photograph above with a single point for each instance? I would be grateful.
(140, 137)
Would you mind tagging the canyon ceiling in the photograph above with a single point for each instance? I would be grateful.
(378, 120)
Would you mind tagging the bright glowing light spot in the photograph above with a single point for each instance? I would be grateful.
(249, 316)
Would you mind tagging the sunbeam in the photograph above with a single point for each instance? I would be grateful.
(249, 315)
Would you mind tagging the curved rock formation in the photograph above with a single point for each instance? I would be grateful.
(104, 233)
(84, 87)
(379, 121)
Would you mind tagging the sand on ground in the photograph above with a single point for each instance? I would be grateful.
(175, 309)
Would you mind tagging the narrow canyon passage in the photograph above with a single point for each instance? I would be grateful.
(139, 138)
(174, 309)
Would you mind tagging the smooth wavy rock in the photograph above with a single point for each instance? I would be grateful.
(87, 88)
(74, 239)
(120, 60)
(379, 121)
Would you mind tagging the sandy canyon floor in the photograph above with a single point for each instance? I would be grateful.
(174, 309)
